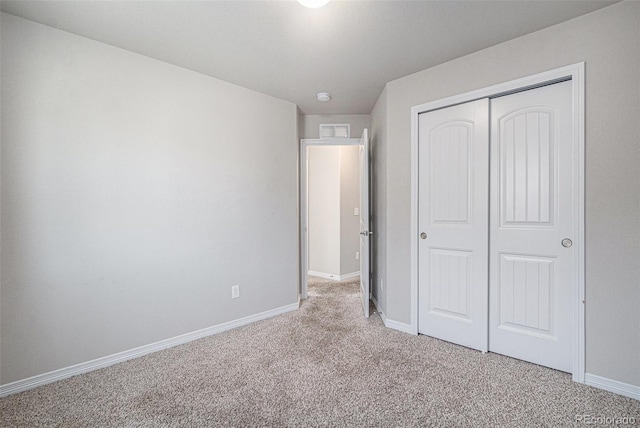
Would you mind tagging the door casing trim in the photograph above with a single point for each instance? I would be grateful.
(576, 74)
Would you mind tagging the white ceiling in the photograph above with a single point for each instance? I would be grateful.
(348, 48)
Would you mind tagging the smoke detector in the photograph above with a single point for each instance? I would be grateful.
(323, 97)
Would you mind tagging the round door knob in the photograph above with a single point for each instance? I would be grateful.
(423, 235)
(566, 242)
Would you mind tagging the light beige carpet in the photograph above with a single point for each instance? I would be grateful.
(323, 365)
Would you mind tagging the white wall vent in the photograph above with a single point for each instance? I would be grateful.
(337, 130)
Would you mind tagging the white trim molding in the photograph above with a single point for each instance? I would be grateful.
(394, 325)
(109, 360)
(324, 275)
(349, 276)
(334, 277)
(379, 310)
(628, 390)
(400, 326)
(574, 73)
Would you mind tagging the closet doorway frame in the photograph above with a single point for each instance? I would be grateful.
(576, 74)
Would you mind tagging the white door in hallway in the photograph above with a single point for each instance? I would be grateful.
(533, 225)
(365, 233)
(453, 223)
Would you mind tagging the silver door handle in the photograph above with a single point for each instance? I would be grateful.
(366, 233)
(566, 242)
(423, 235)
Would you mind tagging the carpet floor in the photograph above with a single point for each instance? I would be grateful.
(323, 365)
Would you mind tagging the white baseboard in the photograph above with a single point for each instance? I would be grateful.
(628, 390)
(324, 275)
(400, 326)
(334, 277)
(380, 312)
(109, 360)
(395, 325)
(349, 276)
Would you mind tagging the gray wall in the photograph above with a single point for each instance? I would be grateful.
(349, 199)
(134, 195)
(324, 209)
(607, 40)
(310, 123)
(379, 200)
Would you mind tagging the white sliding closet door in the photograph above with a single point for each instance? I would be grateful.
(453, 223)
(533, 223)
(497, 262)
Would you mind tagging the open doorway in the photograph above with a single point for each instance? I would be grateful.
(334, 211)
(333, 202)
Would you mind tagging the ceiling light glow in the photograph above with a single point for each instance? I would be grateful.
(313, 3)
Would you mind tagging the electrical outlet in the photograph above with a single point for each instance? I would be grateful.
(357, 255)
(356, 211)
(235, 291)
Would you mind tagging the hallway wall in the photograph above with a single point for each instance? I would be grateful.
(334, 192)
(310, 123)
